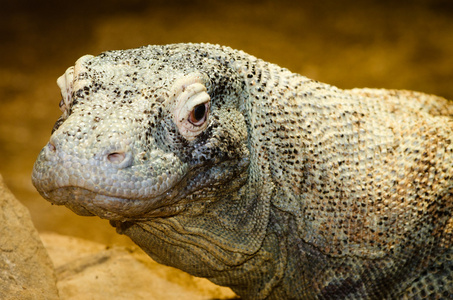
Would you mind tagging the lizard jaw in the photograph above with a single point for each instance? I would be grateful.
(85, 202)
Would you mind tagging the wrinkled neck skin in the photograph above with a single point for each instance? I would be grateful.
(239, 241)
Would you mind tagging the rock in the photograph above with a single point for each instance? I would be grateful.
(26, 272)
(89, 270)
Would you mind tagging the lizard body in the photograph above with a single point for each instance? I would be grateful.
(237, 170)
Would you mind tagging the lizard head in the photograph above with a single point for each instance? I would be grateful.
(145, 132)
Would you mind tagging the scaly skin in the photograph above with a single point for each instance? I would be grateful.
(237, 170)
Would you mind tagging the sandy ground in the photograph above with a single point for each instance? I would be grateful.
(391, 44)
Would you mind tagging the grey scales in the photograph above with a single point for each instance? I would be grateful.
(237, 170)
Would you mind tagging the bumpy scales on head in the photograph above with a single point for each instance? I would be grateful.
(237, 170)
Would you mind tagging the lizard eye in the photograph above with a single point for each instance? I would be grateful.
(199, 114)
(191, 105)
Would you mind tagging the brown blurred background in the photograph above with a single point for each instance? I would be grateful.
(391, 44)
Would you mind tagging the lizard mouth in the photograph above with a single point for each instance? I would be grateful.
(85, 202)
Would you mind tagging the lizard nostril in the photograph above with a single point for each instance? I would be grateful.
(116, 157)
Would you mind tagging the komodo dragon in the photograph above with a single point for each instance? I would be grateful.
(237, 170)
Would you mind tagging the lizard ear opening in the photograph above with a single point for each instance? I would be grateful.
(192, 105)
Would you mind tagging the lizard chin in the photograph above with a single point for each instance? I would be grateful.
(85, 202)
